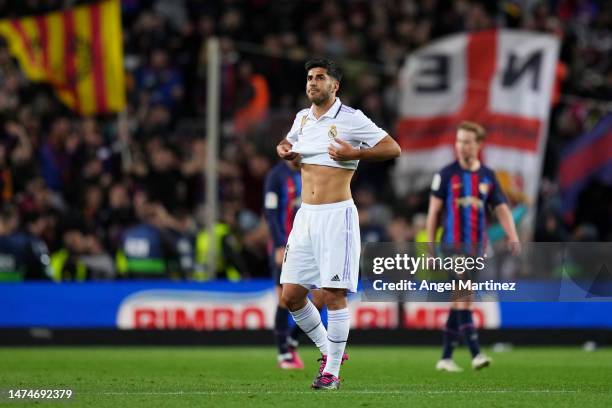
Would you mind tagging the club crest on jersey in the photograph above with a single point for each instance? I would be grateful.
(333, 132)
(483, 188)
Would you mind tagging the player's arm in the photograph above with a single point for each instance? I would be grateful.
(283, 148)
(500, 205)
(386, 149)
(439, 188)
(272, 213)
(433, 214)
(380, 145)
(504, 216)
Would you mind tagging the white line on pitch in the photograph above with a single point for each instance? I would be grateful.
(186, 393)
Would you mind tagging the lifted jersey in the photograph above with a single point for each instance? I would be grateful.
(311, 137)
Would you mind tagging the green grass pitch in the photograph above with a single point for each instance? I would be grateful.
(248, 377)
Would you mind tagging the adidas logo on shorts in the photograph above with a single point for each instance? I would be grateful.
(336, 278)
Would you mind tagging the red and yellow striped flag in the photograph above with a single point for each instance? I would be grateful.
(78, 51)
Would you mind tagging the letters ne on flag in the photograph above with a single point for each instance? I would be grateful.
(502, 79)
(78, 51)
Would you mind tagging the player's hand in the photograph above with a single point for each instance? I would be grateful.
(279, 254)
(431, 250)
(514, 247)
(342, 151)
(284, 151)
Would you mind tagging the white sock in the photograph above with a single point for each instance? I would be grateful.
(338, 325)
(309, 320)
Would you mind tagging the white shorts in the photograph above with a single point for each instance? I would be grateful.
(323, 247)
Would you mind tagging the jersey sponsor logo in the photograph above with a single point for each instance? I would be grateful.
(470, 201)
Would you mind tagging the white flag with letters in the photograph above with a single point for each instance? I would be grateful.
(502, 79)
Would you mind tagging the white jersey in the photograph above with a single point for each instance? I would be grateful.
(311, 137)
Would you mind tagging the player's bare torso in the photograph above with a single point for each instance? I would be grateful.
(325, 185)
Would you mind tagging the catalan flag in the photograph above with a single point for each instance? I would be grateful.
(78, 51)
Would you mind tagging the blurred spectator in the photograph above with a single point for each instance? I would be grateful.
(81, 256)
(399, 230)
(23, 256)
(148, 250)
(117, 216)
(550, 229)
(370, 231)
(54, 154)
(230, 263)
(164, 181)
(252, 100)
(159, 82)
(17, 160)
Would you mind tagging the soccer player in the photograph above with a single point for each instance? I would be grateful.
(463, 190)
(324, 244)
(282, 198)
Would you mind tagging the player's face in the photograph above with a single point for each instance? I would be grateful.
(466, 146)
(320, 87)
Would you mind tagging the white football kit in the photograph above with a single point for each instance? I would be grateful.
(324, 244)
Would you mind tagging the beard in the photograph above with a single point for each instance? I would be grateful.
(320, 97)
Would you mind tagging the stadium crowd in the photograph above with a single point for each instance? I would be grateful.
(78, 186)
